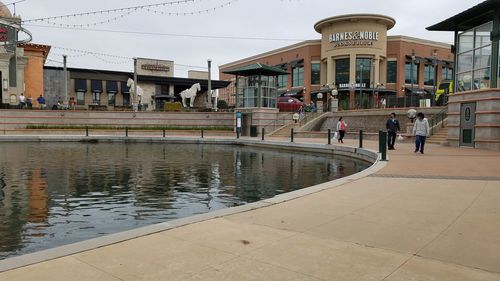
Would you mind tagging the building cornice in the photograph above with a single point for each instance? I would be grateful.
(409, 39)
(302, 44)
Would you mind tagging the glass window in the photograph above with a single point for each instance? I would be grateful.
(315, 74)
(483, 35)
(96, 98)
(482, 57)
(474, 58)
(111, 99)
(363, 72)
(80, 98)
(282, 81)
(466, 41)
(429, 74)
(298, 76)
(126, 99)
(342, 67)
(392, 71)
(447, 73)
(411, 79)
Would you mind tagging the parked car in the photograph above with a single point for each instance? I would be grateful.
(288, 104)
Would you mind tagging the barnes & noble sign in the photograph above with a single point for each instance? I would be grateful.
(353, 39)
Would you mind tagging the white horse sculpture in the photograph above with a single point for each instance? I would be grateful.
(190, 94)
(135, 97)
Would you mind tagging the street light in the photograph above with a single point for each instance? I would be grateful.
(360, 84)
(412, 63)
(434, 64)
(209, 93)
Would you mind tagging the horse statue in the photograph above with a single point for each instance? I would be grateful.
(134, 97)
(190, 94)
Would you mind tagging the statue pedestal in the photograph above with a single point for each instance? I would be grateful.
(334, 105)
(319, 105)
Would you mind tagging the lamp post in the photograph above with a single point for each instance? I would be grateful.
(360, 84)
(209, 91)
(412, 65)
(434, 65)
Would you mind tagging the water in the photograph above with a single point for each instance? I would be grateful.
(53, 194)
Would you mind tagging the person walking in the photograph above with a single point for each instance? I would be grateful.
(421, 131)
(341, 128)
(392, 126)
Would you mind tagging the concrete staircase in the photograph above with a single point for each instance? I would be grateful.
(439, 137)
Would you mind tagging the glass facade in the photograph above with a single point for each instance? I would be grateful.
(80, 98)
(111, 99)
(363, 72)
(392, 71)
(315, 73)
(248, 91)
(298, 76)
(342, 68)
(474, 58)
(96, 98)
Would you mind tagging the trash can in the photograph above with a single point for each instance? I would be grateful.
(253, 131)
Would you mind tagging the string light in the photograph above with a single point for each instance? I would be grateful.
(199, 12)
(100, 12)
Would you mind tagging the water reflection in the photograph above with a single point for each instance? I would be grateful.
(59, 193)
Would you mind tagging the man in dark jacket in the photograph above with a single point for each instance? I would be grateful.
(392, 126)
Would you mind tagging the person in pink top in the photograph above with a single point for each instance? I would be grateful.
(341, 128)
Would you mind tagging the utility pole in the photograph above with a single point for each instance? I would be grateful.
(209, 61)
(65, 58)
(135, 86)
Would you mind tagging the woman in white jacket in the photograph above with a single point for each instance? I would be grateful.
(421, 132)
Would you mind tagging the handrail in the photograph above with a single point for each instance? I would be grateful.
(438, 119)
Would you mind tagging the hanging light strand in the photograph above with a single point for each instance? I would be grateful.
(100, 12)
(199, 12)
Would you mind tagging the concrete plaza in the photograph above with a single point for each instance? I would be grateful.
(420, 217)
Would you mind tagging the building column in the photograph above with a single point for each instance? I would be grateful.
(329, 70)
(352, 81)
(376, 74)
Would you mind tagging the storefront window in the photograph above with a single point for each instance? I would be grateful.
(80, 98)
(282, 81)
(392, 71)
(298, 76)
(474, 58)
(342, 72)
(126, 99)
(429, 74)
(111, 99)
(315, 73)
(409, 78)
(96, 98)
(447, 73)
(363, 72)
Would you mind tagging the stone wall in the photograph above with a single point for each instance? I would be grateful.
(487, 127)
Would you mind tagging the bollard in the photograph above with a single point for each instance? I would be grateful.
(126, 131)
(163, 132)
(329, 136)
(291, 135)
(87, 131)
(360, 138)
(263, 133)
(382, 144)
(238, 133)
(202, 133)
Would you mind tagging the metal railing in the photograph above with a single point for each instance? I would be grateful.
(438, 119)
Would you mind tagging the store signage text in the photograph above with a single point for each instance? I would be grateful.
(356, 38)
(156, 67)
(347, 85)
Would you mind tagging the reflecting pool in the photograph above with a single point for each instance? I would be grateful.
(53, 194)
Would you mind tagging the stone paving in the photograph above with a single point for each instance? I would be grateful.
(422, 217)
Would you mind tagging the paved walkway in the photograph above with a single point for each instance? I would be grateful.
(423, 217)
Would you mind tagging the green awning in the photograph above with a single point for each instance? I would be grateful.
(256, 69)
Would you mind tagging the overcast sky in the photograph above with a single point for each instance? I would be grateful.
(289, 21)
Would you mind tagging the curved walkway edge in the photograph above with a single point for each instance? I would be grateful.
(417, 217)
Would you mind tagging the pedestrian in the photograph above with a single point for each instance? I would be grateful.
(392, 126)
(22, 101)
(421, 131)
(312, 107)
(29, 103)
(41, 102)
(382, 102)
(300, 111)
(341, 128)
